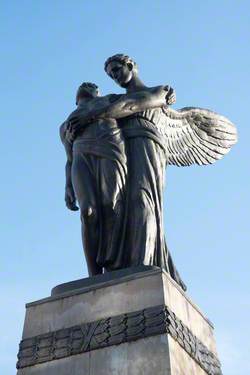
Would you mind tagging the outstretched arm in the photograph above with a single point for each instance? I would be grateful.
(70, 199)
(129, 104)
(126, 105)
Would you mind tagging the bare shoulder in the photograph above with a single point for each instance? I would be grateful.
(145, 91)
(111, 98)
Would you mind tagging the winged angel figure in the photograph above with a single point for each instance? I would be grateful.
(154, 136)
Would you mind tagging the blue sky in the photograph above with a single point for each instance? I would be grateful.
(48, 49)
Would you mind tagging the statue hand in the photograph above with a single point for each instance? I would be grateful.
(70, 199)
(75, 124)
(171, 96)
(70, 133)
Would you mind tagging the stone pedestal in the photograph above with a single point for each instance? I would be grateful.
(129, 322)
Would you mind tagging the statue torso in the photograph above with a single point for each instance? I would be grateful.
(102, 138)
(99, 128)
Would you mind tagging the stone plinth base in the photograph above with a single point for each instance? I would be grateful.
(129, 322)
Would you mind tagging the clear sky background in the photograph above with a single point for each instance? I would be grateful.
(48, 48)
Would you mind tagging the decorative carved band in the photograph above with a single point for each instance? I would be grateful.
(114, 331)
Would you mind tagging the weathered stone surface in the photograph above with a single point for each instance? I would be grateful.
(64, 366)
(114, 331)
(133, 318)
(181, 363)
(145, 357)
(188, 312)
(123, 297)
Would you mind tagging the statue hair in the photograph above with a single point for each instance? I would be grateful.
(83, 89)
(121, 58)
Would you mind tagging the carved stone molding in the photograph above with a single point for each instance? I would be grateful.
(114, 331)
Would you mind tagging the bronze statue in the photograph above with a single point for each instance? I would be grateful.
(96, 170)
(152, 135)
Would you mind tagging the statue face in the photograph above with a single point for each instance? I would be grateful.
(120, 73)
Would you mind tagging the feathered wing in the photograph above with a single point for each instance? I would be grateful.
(196, 135)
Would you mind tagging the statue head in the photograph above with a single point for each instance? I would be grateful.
(87, 90)
(121, 68)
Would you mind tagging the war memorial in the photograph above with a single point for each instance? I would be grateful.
(132, 315)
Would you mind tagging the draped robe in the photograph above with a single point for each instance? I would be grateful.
(120, 172)
(147, 160)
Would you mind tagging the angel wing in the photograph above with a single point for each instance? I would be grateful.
(196, 135)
